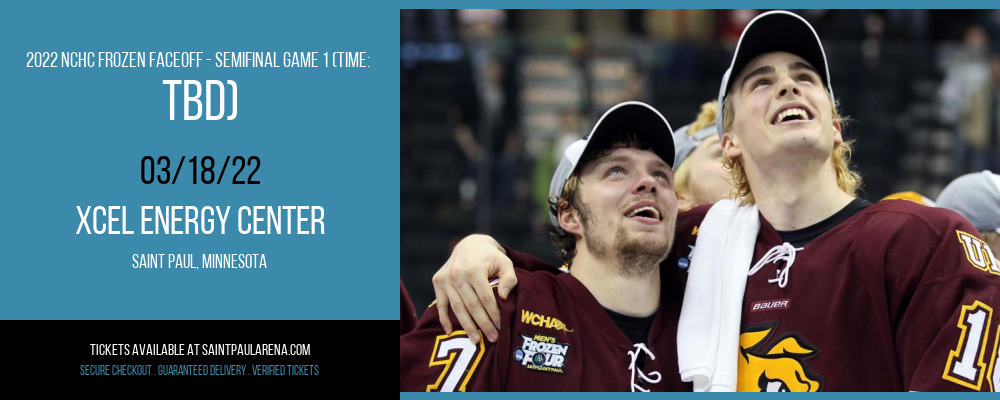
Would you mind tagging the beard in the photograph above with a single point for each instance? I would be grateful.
(636, 255)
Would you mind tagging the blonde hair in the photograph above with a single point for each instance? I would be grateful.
(705, 119)
(847, 179)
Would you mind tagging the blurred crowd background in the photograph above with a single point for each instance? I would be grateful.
(490, 98)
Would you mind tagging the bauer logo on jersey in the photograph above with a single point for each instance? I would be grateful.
(978, 253)
(769, 305)
(542, 353)
(540, 320)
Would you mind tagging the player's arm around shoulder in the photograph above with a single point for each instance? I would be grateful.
(431, 360)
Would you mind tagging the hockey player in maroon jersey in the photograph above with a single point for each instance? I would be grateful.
(843, 295)
(610, 325)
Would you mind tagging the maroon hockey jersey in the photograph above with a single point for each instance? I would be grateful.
(407, 314)
(554, 336)
(897, 297)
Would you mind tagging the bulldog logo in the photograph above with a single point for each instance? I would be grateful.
(779, 367)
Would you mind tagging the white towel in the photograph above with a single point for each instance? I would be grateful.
(708, 332)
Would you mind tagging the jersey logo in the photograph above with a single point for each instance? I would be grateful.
(540, 320)
(542, 353)
(769, 305)
(685, 262)
(978, 253)
(779, 367)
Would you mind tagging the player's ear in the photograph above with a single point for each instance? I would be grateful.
(838, 138)
(569, 221)
(731, 146)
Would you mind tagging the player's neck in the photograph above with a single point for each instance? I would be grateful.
(634, 295)
(797, 197)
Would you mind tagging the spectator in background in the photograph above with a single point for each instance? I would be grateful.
(545, 165)
(978, 122)
(488, 138)
(871, 46)
(680, 25)
(481, 23)
(968, 73)
(681, 33)
(977, 197)
(486, 132)
(699, 176)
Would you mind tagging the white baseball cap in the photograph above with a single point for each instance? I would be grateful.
(630, 117)
(769, 32)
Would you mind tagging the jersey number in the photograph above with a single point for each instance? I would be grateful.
(460, 358)
(965, 364)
